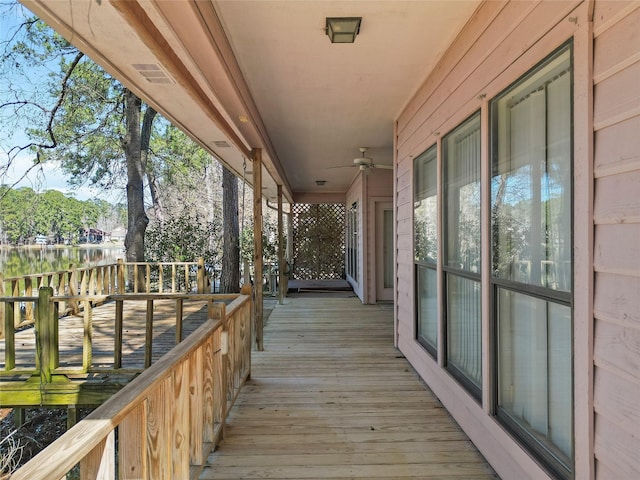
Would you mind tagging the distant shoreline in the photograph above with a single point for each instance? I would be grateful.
(54, 246)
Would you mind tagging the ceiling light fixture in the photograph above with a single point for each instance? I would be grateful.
(343, 29)
(320, 182)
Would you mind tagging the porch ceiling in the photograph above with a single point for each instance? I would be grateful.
(264, 74)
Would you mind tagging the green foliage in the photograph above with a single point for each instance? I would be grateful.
(183, 238)
(25, 214)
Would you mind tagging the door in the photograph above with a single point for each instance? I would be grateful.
(384, 251)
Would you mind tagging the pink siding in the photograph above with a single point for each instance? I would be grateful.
(616, 66)
(498, 45)
(366, 190)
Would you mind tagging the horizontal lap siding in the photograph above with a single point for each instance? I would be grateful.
(498, 45)
(617, 239)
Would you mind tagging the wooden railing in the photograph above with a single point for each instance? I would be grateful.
(45, 362)
(170, 417)
(115, 278)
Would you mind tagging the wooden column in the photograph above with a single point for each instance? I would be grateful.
(256, 154)
(281, 260)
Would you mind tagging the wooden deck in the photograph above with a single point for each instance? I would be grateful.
(330, 397)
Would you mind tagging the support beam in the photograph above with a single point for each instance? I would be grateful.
(256, 155)
(281, 260)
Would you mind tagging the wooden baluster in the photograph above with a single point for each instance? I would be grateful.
(173, 278)
(87, 341)
(83, 281)
(160, 279)
(135, 278)
(208, 389)
(187, 283)
(54, 332)
(117, 347)
(17, 313)
(100, 279)
(158, 421)
(43, 335)
(201, 275)
(178, 410)
(132, 445)
(196, 407)
(121, 276)
(2, 307)
(179, 309)
(99, 464)
(148, 279)
(73, 288)
(148, 338)
(9, 336)
(219, 385)
(28, 306)
(248, 325)
(112, 279)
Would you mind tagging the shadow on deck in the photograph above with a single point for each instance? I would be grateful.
(330, 397)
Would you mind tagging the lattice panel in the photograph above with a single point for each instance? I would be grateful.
(318, 241)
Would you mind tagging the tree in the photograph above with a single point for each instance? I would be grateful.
(230, 277)
(81, 123)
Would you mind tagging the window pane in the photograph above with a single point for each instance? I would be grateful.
(531, 179)
(534, 368)
(425, 207)
(427, 306)
(464, 349)
(462, 195)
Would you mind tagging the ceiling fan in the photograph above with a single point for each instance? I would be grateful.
(366, 163)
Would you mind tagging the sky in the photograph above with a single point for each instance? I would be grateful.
(50, 176)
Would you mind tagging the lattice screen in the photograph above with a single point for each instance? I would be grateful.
(318, 241)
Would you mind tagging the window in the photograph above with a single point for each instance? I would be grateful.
(461, 242)
(425, 217)
(531, 222)
(352, 242)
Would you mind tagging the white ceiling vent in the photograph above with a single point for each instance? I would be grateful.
(153, 73)
(221, 144)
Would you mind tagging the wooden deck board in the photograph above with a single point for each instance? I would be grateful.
(330, 397)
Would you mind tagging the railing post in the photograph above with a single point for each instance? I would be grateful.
(256, 154)
(248, 326)
(120, 276)
(44, 313)
(201, 275)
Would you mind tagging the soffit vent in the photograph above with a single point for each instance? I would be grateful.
(221, 144)
(153, 73)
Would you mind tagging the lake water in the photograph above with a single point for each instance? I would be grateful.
(25, 260)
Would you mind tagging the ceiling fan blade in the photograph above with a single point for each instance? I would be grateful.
(341, 166)
(383, 166)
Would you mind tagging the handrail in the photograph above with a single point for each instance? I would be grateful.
(168, 418)
(138, 277)
(46, 360)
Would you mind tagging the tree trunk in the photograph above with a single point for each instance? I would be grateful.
(230, 277)
(137, 218)
(152, 182)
